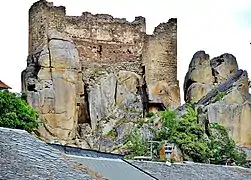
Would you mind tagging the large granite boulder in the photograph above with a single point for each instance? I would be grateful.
(222, 92)
(223, 66)
(199, 77)
(51, 82)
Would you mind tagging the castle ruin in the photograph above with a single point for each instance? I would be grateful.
(92, 70)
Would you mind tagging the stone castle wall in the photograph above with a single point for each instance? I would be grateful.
(98, 38)
(102, 38)
(43, 16)
(160, 61)
(160, 55)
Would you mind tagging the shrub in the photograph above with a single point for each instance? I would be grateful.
(136, 143)
(16, 113)
(191, 139)
(219, 96)
(223, 147)
(188, 135)
(149, 114)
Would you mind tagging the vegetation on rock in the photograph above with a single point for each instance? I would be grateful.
(112, 133)
(16, 113)
(223, 147)
(190, 136)
(136, 143)
(219, 96)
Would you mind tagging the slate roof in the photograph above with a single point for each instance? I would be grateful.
(23, 156)
(111, 166)
(194, 171)
(85, 152)
(113, 169)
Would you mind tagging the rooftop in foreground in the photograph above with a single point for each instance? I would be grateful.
(26, 157)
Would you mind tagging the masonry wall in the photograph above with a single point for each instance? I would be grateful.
(98, 38)
(102, 38)
(42, 17)
(160, 53)
(160, 61)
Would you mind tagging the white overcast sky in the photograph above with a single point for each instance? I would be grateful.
(216, 26)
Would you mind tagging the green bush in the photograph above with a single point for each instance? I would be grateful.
(136, 143)
(223, 147)
(219, 96)
(149, 114)
(16, 113)
(187, 134)
(191, 138)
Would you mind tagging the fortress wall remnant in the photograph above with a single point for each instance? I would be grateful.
(98, 38)
(102, 38)
(160, 60)
(43, 16)
(160, 54)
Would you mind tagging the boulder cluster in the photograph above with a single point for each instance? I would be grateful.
(222, 90)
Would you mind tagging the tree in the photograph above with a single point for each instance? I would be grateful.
(188, 135)
(16, 113)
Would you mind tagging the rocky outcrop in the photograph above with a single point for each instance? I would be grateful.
(51, 81)
(85, 75)
(222, 92)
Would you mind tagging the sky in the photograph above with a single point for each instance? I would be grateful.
(216, 26)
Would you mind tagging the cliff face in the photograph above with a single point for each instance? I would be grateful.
(223, 91)
(86, 73)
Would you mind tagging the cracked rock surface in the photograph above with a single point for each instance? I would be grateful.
(52, 81)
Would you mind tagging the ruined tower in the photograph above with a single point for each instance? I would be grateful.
(93, 70)
(160, 61)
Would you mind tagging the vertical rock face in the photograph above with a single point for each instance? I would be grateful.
(86, 73)
(223, 90)
(51, 82)
(199, 79)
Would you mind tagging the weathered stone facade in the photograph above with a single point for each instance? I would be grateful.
(93, 70)
(160, 60)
